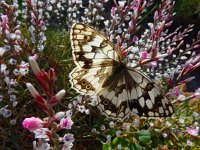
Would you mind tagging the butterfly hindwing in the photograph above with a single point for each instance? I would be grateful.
(150, 101)
(88, 81)
(134, 94)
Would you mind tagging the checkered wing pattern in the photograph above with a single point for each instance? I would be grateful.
(121, 91)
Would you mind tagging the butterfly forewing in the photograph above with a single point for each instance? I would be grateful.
(91, 48)
(121, 91)
(94, 56)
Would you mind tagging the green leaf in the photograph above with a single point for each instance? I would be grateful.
(118, 140)
(144, 139)
(143, 133)
(133, 146)
(143, 136)
(106, 147)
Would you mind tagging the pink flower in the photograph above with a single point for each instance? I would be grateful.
(33, 123)
(144, 55)
(193, 131)
(66, 123)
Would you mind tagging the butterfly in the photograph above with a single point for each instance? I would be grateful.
(121, 91)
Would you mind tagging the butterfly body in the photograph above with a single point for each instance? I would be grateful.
(121, 91)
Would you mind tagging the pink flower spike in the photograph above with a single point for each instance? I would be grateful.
(52, 75)
(33, 123)
(32, 90)
(66, 123)
(34, 65)
(57, 97)
(46, 80)
(194, 131)
(37, 97)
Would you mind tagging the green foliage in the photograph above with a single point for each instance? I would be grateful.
(187, 7)
(143, 136)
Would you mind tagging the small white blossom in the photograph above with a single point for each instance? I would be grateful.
(103, 127)
(81, 108)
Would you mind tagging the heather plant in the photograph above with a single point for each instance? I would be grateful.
(39, 110)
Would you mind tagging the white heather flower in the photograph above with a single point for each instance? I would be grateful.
(12, 61)
(75, 103)
(118, 133)
(112, 124)
(157, 130)
(195, 114)
(67, 146)
(41, 133)
(181, 97)
(87, 111)
(164, 135)
(52, 1)
(16, 72)
(13, 82)
(5, 112)
(67, 139)
(151, 124)
(14, 104)
(44, 146)
(17, 48)
(81, 108)
(79, 98)
(108, 137)
(181, 120)
(12, 36)
(12, 98)
(103, 127)
(2, 51)
(23, 68)
(189, 143)
(70, 106)
(93, 100)
(119, 146)
(49, 8)
(68, 113)
(168, 124)
(3, 68)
